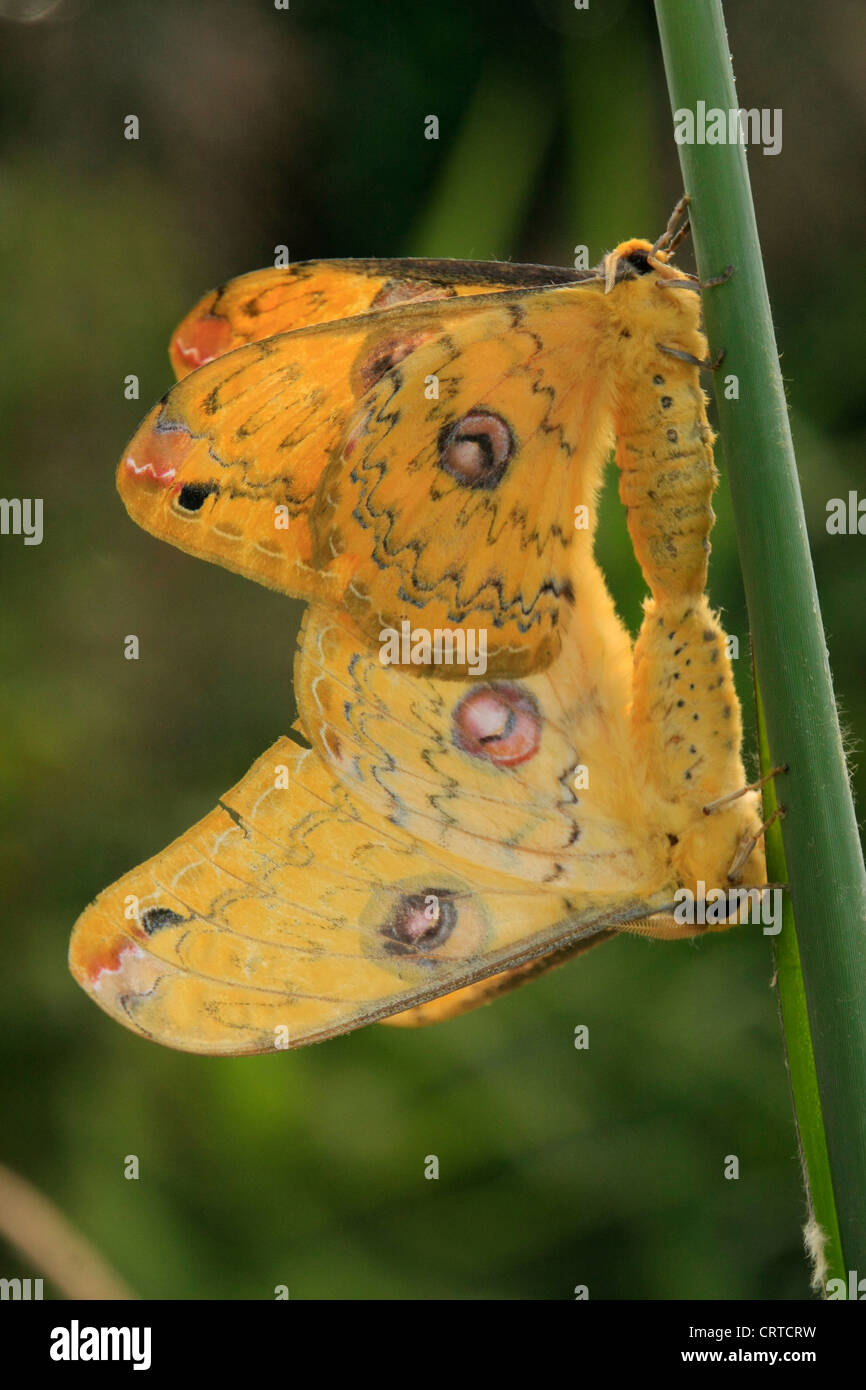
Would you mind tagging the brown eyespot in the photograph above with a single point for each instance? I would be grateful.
(408, 291)
(421, 921)
(416, 926)
(500, 722)
(476, 450)
(381, 356)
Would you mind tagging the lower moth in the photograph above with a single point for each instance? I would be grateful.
(406, 445)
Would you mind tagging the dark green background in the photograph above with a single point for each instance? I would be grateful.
(305, 127)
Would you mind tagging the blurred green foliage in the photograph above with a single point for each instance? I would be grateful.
(258, 127)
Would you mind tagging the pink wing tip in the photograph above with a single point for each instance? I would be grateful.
(157, 454)
(202, 340)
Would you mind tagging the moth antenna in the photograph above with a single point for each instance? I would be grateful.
(673, 233)
(679, 237)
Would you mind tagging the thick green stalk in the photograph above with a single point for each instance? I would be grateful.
(824, 858)
(805, 1091)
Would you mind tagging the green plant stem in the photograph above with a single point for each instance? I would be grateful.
(825, 862)
(797, 1035)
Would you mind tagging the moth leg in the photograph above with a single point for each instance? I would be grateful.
(721, 279)
(749, 842)
(693, 282)
(688, 282)
(711, 364)
(749, 787)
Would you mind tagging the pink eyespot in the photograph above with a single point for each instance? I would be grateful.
(477, 449)
(499, 722)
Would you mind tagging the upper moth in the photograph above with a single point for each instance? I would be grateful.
(444, 836)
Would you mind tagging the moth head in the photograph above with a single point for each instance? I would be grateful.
(631, 259)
